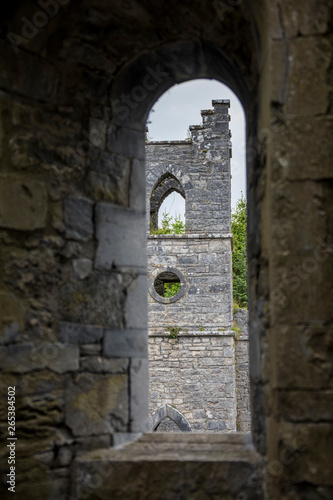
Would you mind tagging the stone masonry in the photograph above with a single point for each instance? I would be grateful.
(195, 372)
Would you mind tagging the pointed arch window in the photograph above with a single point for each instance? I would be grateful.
(166, 185)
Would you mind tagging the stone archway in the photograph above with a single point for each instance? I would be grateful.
(173, 414)
(167, 184)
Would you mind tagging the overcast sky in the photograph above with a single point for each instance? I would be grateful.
(179, 108)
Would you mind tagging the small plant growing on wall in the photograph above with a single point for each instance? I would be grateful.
(201, 328)
(173, 331)
(236, 329)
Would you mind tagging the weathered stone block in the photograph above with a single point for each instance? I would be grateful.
(74, 333)
(125, 344)
(136, 313)
(84, 301)
(137, 186)
(121, 238)
(139, 404)
(23, 204)
(78, 219)
(97, 364)
(126, 142)
(97, 404)
(307, 349)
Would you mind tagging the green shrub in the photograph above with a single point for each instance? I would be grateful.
(170, 225)
(239, 256)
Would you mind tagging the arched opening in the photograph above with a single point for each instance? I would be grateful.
(172, 212)
(201, 166)
(169, 419)
(163, 189)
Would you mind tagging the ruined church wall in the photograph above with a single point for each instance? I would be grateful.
(196, 375)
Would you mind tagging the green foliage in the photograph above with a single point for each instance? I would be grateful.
(201, 328)
(236, 329)
(239, 256)
(171, 289)
(173, 331)
(170, 225)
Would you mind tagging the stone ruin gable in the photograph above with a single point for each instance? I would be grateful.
(202, 167)
(196, 372)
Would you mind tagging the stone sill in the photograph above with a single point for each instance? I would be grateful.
(203, 236)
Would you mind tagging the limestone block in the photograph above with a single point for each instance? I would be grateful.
(109, 176)
(97, 364)
(309, 61)
(307, 349)
(125, 344)
(303, 405)
(84, 301)
(139, 395)
(78, 219)
(126, 142)
(121, 237)
(97, 404)
(23, 204)
(138, 186)
(136, 313)
(74, 333)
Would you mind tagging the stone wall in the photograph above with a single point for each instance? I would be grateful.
(242, 368)
(196, 375)
(205, 264)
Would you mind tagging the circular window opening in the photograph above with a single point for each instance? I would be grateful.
(167, 284)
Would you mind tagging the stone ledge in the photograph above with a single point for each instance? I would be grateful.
(205, 236)
(225, 463)
(196, 333)
(168, 143)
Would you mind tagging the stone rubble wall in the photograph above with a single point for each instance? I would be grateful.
(196, 375)
(241, 328)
